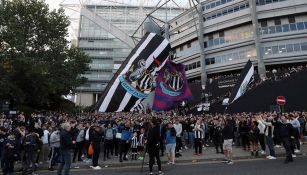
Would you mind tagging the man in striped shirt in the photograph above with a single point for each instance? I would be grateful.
(199, 135)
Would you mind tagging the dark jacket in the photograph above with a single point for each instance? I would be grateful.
(96, 138)
(228, 131)
(65, 140)
(153, 139)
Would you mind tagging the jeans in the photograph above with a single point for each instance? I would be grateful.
(261, 140)
(191, 139)
(54, 156)
(198, 146)
(270, 143)
(66, 162)
(287, 146)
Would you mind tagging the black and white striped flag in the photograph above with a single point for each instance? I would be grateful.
(134, 80)
(242, 83)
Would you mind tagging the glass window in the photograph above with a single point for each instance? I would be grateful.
(265, 30)
(237, 8)
(264, 23)
(211, 43)
(261, 2)
(218, 14)
(181, 48)
(225, 12)
(304, 46)
(217, 3)
(208, 18)
(194, 65)
(267, 50)
(198, 63)
(282, 49)
(216, 41)
(277, 21)
(207, 7)
(207, 61)
(210, 36)
(212, 60)
(289, 48)
(291, 19)
(186, 68)
(230, 10)
(275, 50)
(268, 1)
(305, 24)
(222, 40)
(213, 16)
(285, 28)
(293, 27)
(296, 47)
(221, 34)
(278, 29)
(247, 5)
(223, 1)
(212, 5)
(229, 0)
(272, 29)
(205, 44)
(190, 67)
(242, 7)
(300, 26)
(218, 59)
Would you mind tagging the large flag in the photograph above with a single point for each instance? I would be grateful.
(134, 80)
(172, 87)
(242, 83)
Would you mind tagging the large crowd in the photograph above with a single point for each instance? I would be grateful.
(60, 139)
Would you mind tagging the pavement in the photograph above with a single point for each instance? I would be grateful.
(209, 155)
(240, 167)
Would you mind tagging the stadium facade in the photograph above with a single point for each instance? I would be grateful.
(105, 36)
(268, 32)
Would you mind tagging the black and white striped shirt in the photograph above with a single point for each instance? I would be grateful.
(198, 133)
(134, 142)
(141, 140)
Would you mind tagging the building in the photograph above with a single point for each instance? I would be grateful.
(105, 35)
(271, 32)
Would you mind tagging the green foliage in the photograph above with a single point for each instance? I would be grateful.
(37, 65)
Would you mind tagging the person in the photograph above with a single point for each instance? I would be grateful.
(253, 137)
(79, 143)
(162, 137)
(55, 147)
(228, 134)
(199, 136)
(31, 144)
(218, 136)
(66, 144)
(45, 147)
(178, 128)
(269, 136)
(153, 141)
(170, 143)
(108, 141)
(296, 126)
(285, 132)
(96, 136)
(142, 139)
(9, 154)
(261, 136)
(125, 140)
(134, 146)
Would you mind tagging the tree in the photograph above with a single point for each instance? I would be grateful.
(37, 63)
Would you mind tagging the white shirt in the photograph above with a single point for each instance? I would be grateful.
(178, 128)
(45, 137)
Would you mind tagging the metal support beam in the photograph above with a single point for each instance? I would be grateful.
(261, 66)
(200, 32)
(107, 26)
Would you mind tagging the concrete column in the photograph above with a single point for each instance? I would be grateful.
(261, 66)
(201, 45)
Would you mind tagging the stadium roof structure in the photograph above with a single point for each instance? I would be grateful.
(73, 9)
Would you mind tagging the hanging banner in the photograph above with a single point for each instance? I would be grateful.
(134, 80)
(172, 87)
